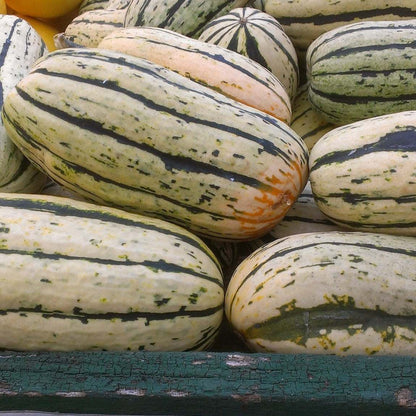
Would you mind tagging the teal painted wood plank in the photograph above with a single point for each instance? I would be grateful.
(207, 383)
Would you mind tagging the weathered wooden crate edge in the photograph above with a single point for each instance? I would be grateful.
(206, 383)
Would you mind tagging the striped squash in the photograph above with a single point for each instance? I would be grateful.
(305, 20)
(225, 71)
(187, 17)
(89, 28)
(327, 293)
(308, 123)
(118, 4)
(20, 48)
(363, 70)
(363, 175)
(88, 5)
(259, 36)
(102, 279)
(123, 131)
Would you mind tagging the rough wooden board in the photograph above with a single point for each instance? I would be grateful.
(207, 383)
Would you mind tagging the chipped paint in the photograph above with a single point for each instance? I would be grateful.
(5, 389)
(237, 360)
(405, 398)
(177, 393)
(71, 394)
(131, 392)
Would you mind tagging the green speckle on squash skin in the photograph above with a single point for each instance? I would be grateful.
(160, 301)
(259, 287)
(290, 283)
(193, 298)
(354, 258)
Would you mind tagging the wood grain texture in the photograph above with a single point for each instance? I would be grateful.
(214, 383)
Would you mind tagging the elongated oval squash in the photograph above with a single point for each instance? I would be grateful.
(88, 5)
(78, 276)
(221, 69)
(89, 28)
(187, 17)
(305, 20)
(327, 293)
(20, 47)
(260, 37)
(363, 70)
(123, 131)
(363, 175)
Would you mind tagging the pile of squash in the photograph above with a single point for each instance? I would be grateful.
(170, 168)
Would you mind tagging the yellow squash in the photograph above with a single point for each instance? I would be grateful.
(46, 9)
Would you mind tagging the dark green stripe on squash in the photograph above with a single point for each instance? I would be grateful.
(67, 210)
(397, 141)
(299, 248)
(84, 317)
(323, 19)
(299, 325)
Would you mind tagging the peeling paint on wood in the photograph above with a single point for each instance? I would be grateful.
(405, 398)
(190, 383)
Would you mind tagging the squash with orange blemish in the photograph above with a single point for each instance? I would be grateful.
(126, 132)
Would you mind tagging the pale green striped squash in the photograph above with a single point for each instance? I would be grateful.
(78, 276)
(20, 48)
(187, 17)
(327, 293)
(363, 175)
(305, 20)
(125, 132)
(363, 70)
(259, 36)
(90, 27)
(88, 5)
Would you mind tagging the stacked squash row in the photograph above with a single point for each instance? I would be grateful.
(172, 132)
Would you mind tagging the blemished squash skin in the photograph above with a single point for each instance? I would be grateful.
(329, 292)
(125, 132)
(102, 279)
(362, 174)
